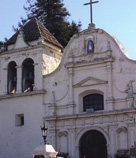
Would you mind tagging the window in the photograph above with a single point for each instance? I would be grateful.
(93, 101)
(19, 120)
(28, 75)
(12, 78)
(90, 47)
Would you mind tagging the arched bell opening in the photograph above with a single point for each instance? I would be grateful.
(93, 145)
(27, 75)
(12, 78)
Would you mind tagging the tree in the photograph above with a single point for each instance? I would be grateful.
(53, 15)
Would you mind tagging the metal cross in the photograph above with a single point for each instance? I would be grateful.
(91, 12)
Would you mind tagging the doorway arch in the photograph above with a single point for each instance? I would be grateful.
(93, 145)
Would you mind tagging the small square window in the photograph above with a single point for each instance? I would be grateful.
(19, 119)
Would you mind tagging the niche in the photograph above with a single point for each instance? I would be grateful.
(63, 142)
(122, 137)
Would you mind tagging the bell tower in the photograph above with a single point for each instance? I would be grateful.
(30, 53)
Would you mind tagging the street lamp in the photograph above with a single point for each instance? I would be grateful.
(44, 133)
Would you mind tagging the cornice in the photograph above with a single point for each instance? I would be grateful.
(90, 115)
(94, 81)
(83, 63)
(31, 48)
(21, 49)
(16, 95)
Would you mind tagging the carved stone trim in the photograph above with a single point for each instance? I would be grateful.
(124, 129)
(93, 115)
(22, 94)
(84, 62)
(97, 82)
(63, 133)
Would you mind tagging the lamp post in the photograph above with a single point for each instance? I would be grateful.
(44, 133)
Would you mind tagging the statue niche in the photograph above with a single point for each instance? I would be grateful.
(122, 138)
(89, 44)
(63, 140)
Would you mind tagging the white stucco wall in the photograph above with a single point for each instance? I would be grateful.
(20, 141)
(107, 71)
(58, 96)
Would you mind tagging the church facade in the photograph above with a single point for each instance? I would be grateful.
(86, 97)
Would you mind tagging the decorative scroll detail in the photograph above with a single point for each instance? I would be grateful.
(108, 46)
(64, 95)
(63, 133)
(90, 58)
(124, 129)
(129, 88)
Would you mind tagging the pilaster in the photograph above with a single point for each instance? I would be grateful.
(4, 79)
(19, 79)
(70, 74)
(53, 140)
(38, 77)
(71, 101)
(110, 87)
(77, 152)
(112, 133)
(71, 134)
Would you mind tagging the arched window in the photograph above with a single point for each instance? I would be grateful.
(12, 78)
(90, 47)
(93, 101)
(27, 75)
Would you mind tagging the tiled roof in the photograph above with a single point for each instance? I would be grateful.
(33, 30)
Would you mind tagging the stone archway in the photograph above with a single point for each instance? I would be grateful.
(93, 145)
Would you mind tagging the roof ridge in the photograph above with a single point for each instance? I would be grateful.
(37, 21)
(51, 39)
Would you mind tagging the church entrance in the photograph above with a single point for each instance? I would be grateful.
(93, 145)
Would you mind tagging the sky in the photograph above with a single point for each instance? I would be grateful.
(117, 17)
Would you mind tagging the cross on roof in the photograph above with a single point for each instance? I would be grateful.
(91, 12)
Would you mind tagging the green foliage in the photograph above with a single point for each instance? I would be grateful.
(53, 15)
